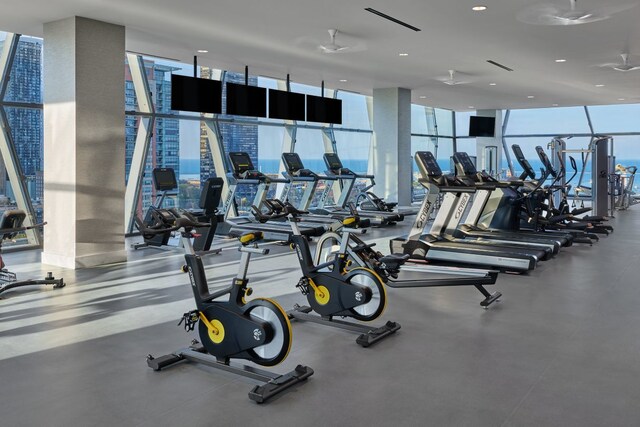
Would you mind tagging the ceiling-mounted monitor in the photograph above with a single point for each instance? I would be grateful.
(194, 94)
(245, 100)
(286, 105)
(482, 126)
(324, 110)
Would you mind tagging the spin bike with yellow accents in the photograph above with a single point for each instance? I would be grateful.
(331, 290)
(258, 330)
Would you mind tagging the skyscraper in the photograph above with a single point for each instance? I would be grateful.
(164, 149)
(235, 137)
(26, 124)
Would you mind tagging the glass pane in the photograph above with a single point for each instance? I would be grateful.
(466, 145)
(27, 131)
(270, 139)
(462, 122)
(548, 121)
(353, 148)
(444, 120)
(25, 83)
(627, 150)
(423, 120)
(310, 147)
(615, 118)
(354, 111)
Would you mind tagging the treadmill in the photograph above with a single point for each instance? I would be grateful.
(296, 173)
(244, 173)
(434, 247)
(347, 179)
(493, 199)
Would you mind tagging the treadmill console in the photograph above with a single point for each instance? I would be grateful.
(528, 169)
(464, 165)
(243, 166)
(428, 164)
(164, 179)
(546, 162)
(294, 165)
(335, 165)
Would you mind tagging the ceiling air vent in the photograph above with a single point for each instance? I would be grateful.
(497, 64)
(391, 18)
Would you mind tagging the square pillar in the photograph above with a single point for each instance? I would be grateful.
(391, 152)
(84, 149)
(489, 149)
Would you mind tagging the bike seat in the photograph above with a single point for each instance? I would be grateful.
(250, 237)
(394, 261)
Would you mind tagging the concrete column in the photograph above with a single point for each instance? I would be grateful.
(391, 150)
(84, 150)
(484, 144)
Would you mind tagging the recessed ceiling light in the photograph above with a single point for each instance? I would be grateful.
(492, 84)
(554, 105)
(422, 97)
(621, 99)
(343, 80)
(471, 106)
(530, 96)
(403, 54)
(479, 8)
(599, 85)
(203, 51)
(561, 60)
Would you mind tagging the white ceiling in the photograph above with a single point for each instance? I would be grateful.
(277, 37)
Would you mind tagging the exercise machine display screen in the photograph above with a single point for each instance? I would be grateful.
(194, 94)
(241, 162)
(523, 161)
(245, 100)
(465, 162)
(332, 161)
(544, 158)
(292, 161)
(165, 179)
(429, 162)
(286, 105)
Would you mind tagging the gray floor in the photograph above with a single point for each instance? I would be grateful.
(562, 348)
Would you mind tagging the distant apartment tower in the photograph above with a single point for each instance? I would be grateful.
(164, 148)
(235, 137)
(25, 86)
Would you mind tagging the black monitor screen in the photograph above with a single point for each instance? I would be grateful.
(292, 161)
(482, 126)
(164, 179)
(241, 162)
(429, 162)
(324, 110)
(465, 162)
(286, 105)
(193, 94)
(332, 161)
(244, 100)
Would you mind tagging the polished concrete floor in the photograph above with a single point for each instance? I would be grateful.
(562, 348)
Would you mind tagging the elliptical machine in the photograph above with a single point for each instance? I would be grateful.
(330, 289)
(258, 330)
(11, 224)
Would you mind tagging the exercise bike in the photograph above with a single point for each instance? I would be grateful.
(331, 290)
(10, 225)
(258, 330)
